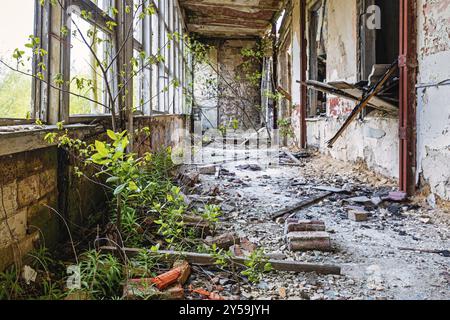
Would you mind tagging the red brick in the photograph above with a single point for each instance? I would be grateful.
(309, 241)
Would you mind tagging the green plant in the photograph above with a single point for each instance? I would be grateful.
(10, 286)
(221, 257)
(211, 214)
(286, 129)
(171, 217)
(101, 275)
(256, 265)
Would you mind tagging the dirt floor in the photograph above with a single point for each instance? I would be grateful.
(373, 266)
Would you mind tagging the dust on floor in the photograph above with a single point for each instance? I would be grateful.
(373, 265)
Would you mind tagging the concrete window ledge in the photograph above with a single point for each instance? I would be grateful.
(22, 138)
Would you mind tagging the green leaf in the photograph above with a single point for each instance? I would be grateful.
(133, 186)
(119, 189)
(112, 135)
(112, 179)
(101, 148)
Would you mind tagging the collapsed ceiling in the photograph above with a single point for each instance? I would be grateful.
(230, 18)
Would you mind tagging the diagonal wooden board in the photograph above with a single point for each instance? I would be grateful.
(364, 102)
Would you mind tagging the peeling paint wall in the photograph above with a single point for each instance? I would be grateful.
(433, 103)
(373, 141)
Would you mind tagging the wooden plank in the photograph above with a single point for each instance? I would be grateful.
(302, 205)
(363, 104)
(206, 259)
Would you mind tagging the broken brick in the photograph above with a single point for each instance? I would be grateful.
(308, 241)
(303, 225)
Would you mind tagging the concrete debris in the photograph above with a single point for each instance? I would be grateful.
(397, 196)
(358, 215)
(359, 200)
(251, 198)
(189, 179)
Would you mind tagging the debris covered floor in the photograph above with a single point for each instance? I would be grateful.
(373, 256)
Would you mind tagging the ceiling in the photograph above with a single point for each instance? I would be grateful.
(230, 18)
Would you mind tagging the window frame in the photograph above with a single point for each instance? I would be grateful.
(51, 105)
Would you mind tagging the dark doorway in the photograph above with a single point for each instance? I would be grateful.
(318, 58)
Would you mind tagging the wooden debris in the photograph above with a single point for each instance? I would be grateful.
(302, 205)
(207, 259)
(295, 225)
(223, 241)
(291, 156)
(308, 241)
(185, 271)
(197, 223)
(364, 102)
(444, 253)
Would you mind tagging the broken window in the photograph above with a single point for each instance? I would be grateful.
(317, 58)
(90, 46)
(379, 44)
(16, 26)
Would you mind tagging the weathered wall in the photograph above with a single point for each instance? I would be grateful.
(206, 98)
(28, 181)
(373, 141)
(433, 103)
(235, 93)
(166, 131)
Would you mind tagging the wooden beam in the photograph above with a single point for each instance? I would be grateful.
(223, 31)
(232, 5)
(364, 102)
(207, 259)
(301, 205)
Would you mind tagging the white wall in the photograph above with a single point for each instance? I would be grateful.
(433, 104)
(374, 141)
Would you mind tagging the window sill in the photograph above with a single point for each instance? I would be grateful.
(17, 139)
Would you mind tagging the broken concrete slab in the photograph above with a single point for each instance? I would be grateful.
(330, 189)
(362, 199)
(309, 241)
(397, 196)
